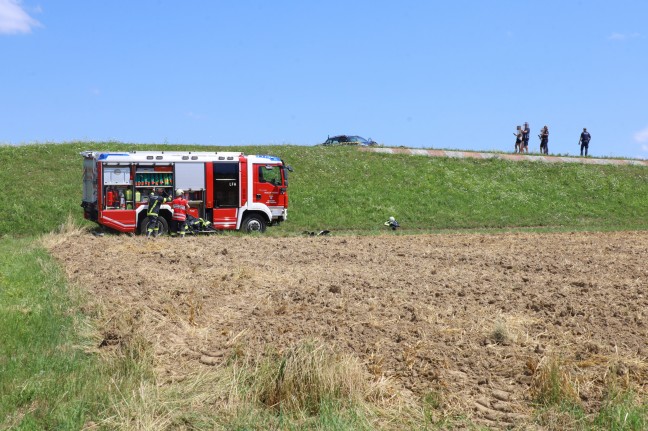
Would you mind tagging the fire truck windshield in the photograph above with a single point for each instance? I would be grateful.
(270, 174)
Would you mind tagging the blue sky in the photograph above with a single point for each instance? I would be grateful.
(455, 74)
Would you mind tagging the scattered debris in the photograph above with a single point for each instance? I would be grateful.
(320, 233)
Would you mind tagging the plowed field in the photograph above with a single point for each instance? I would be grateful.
(474, 317)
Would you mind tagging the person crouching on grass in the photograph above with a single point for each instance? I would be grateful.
(179, 220)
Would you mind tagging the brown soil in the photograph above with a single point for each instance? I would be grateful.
(473, 317)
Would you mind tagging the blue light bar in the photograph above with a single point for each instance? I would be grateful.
(273, 158)
(104, 156)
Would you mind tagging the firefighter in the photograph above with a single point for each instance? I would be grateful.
(179, 220)
(155, 201)
(392, 223)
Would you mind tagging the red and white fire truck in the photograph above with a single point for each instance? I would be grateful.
(229, 189)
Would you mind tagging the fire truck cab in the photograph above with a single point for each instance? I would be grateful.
(229, 189)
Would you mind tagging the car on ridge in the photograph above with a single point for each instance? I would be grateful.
(349, 140)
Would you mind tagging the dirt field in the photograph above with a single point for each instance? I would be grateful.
(473, 317)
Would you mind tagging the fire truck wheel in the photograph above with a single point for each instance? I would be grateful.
(253, 223)
(162, 230)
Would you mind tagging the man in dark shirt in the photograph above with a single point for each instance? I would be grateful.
(526, 133)
(584, 141)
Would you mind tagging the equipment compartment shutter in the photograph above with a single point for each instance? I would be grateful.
(117, 176)
(190, 176)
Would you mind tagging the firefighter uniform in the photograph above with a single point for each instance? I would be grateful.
(154, 204)
(180, 206)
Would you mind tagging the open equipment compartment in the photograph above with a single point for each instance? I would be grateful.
(118, 193)
(150, 176)
(190, 177)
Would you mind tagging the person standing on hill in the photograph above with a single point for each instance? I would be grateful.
(544, 140)
(584, 141)
(518, 139)
(155, 201)
(526, 133)
(179, 220)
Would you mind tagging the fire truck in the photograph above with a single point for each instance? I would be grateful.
(229, 189)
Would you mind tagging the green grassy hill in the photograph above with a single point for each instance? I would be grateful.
(343, 189)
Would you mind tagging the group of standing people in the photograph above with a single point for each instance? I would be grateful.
(523, 133)
(522, 138)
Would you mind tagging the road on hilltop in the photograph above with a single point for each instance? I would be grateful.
(505, 156)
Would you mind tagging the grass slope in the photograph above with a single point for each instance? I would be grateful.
(340, 188)
(48, 379)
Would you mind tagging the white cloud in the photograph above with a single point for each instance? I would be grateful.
(14, 19)
(641, 136)
(624, 36)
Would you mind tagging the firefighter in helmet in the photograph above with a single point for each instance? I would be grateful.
(155, 201)
(179, 220)
(392, 223)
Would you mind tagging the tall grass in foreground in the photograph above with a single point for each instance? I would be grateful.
(306, 387)
(44, 374)
(50, 374)
(558, 405)
(622, 410)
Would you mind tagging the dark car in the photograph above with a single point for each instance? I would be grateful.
(349, 140)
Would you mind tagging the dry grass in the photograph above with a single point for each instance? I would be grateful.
(69, 229)
(141, 409)
(296, 384)
(553, 384)
(500, 333)
(305, 375)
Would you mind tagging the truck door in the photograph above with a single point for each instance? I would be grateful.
(226, 194)
(268, 185)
